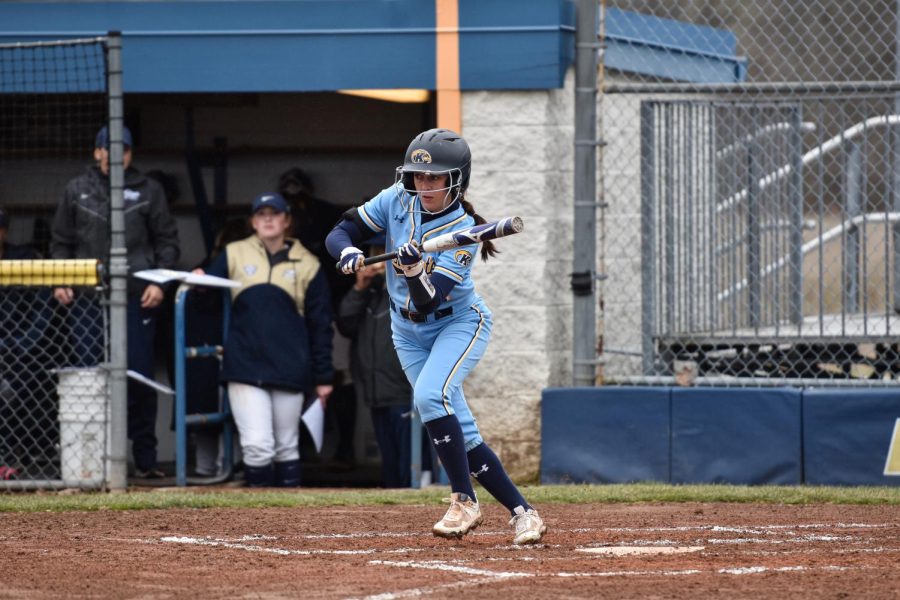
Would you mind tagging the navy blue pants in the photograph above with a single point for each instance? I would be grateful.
(86, 322)
(392, 432)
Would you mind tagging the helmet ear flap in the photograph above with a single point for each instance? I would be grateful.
(408, 183)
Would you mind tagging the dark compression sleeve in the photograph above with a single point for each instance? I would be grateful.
(349, 231)
(427, 292)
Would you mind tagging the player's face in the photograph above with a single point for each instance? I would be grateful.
(101, 155)
(432, 190)
(270, 224)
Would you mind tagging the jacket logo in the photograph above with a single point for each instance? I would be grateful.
(131, 195)
(250, 270)
(463, 257)
(444, 440)
(420, 156)
(290, 274)
(85, 196)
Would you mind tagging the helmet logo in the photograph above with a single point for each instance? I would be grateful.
(420, 156)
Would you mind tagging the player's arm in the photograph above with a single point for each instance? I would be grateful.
(343, 241)
(426, 291)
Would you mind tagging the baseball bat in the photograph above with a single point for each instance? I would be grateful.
(465, 237)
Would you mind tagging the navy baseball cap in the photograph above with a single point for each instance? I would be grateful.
(4, 218)
(273, 201)
(102, 139)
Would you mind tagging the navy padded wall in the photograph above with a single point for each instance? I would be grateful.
(847, 435)
(738, 436)
(604, 435)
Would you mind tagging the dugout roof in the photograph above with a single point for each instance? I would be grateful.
(327, 45)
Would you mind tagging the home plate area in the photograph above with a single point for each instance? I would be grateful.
(383, 552)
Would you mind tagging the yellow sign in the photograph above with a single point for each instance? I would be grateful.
(76, 271)
(892, 464)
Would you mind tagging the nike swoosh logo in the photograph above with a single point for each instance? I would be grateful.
(148, 321)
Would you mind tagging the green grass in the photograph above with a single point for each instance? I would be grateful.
(200, 498)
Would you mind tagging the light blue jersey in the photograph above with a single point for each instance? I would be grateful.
(438, 352)
(400, 217)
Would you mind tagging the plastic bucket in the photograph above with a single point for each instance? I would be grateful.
(83, 419)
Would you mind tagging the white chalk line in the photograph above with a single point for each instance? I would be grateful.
(501, 575)
(748, 530)
(279, 551)
(434, 589)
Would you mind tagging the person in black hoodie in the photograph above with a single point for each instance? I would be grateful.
(278, 344)
(364, 316)
(81, 229)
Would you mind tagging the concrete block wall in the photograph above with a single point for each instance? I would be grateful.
(522, 147)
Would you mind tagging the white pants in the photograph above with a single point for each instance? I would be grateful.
(268, 422)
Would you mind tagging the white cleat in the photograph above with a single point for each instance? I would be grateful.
(529, 526)
(463, 516)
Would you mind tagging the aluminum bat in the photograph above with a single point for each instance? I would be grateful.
(465, 237)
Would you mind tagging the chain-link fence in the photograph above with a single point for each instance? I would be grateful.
(54, 398)
(751, 190)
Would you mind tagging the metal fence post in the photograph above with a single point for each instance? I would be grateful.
(795, 277)
(754, 232)
(648, 239)
(118, 321)
(585, 210)
(852, 208)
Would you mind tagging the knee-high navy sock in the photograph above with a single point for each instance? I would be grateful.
(489, 472)
(447, 437)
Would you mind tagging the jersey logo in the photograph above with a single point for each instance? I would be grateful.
(249, 270)
(463, 257)
(420, 156)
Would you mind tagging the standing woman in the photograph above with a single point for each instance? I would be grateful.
(440, 325)
(279, 341)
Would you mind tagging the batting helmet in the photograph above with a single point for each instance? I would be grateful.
(438, 151)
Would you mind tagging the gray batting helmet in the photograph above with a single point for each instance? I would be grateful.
(437, 151)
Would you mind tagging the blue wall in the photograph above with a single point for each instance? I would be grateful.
(718, 435)
(309, 45)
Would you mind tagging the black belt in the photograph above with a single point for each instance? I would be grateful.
(422, 317)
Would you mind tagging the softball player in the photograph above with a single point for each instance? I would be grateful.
(440, 325)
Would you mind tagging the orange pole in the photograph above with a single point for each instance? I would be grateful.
(449, 98)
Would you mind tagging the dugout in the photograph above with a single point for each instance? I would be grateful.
(223, 97)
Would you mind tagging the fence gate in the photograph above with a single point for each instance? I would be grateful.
(768, 239)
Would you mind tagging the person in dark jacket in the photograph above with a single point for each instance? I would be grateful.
(27, 421)
(364, 317)
(81, 230)
(278, 345)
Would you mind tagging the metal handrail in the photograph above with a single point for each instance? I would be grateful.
(821, 239)
(815, 154)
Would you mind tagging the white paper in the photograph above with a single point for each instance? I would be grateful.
(314, 419)
(147, 381)
(167, 275)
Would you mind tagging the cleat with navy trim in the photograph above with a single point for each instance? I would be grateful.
(463, 516)
(529, 526)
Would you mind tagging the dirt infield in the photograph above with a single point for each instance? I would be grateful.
(591, 551)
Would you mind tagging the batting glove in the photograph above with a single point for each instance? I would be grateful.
(351, 260)
(410, 259)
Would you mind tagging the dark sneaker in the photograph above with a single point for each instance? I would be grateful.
(149, 474)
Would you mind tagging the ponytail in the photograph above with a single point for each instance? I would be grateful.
(487, 247)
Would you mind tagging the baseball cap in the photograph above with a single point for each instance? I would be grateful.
(102, 139)
(272, 200)
(4, 218)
